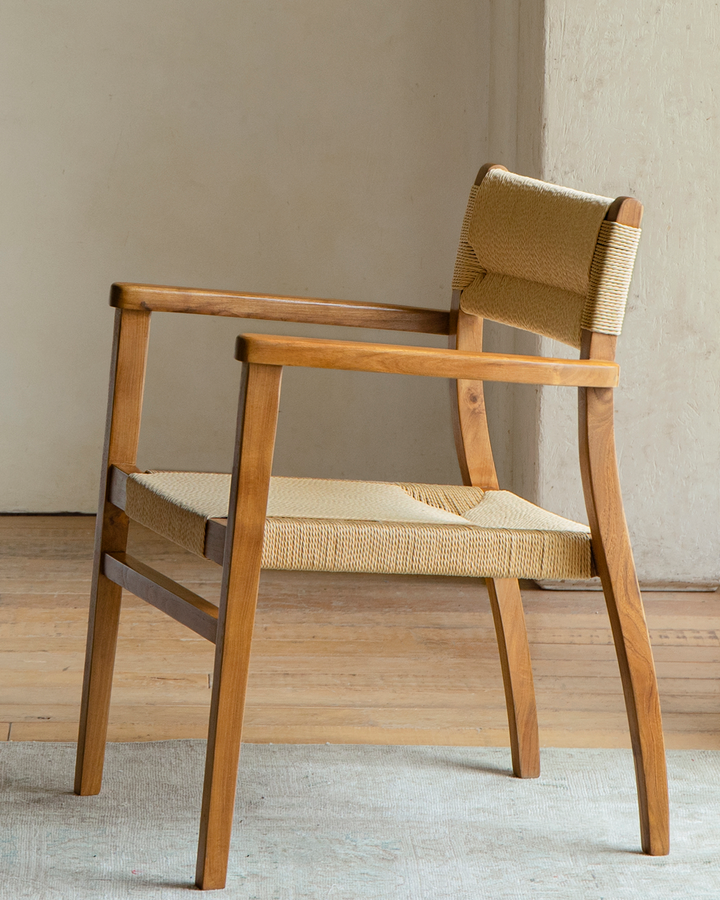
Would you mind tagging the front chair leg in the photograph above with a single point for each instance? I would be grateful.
(232, 661)
(507, 609)
(257, 420)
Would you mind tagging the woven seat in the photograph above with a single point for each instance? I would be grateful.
(535, 256)
(392, 529)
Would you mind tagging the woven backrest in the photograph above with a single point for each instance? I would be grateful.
(543, 258)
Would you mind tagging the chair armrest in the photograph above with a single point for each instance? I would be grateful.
(161, 298)
(323, 354)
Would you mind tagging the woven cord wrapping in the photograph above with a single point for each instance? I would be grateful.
(541, 257)
(348, 526)
(610, 274)
(467, 267)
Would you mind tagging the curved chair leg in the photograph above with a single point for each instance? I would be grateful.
(509, 617)
(615, 565)
(637, 670)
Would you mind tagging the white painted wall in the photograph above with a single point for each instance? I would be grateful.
(631, 106)
(324, 148)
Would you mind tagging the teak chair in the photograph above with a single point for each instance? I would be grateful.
(536, 256)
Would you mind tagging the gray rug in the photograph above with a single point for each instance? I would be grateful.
(355, 822)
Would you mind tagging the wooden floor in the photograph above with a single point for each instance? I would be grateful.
(337, 658)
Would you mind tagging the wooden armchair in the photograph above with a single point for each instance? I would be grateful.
(532, 255)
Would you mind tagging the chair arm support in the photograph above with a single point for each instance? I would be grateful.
(161, 298)
(402, 360)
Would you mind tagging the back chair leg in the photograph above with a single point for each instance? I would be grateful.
(637, 670)
(615, 565)
(509, 617)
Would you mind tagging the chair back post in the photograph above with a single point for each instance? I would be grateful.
(615, 565)
(122, 431)
(596, 415)
(467, 404)
(477, 466)
(614, 561)
(467, 398)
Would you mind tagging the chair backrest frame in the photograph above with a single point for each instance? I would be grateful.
(469, 416)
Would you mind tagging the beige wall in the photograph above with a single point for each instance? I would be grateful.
(618, 97)
(326, 148)
(631, 107)
(515, 128)
(323, 147)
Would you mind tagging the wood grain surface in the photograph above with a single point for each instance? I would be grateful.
(338, 658)
(257, 424)
(122, 432)
(162, 298)
(279, 350)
